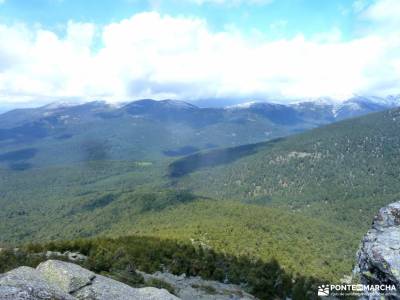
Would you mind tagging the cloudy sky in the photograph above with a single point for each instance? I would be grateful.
(120, 50)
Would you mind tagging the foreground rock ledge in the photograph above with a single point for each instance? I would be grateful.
(58, 280)
(378, 260)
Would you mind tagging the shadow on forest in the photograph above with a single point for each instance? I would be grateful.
(23, 154)
(192, 163)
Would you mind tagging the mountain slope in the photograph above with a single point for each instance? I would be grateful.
(300, 244)
(304, 200)
(230, 227)
(342, 172)
(322, 185)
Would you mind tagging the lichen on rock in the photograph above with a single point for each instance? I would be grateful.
(378, 259)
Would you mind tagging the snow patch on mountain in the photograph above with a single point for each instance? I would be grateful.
(242, 105)
(351, 107)
(178, 104)
(59, 105)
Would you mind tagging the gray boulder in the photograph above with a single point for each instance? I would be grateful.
(75, 256)
(69, 277)
(58, 280)
(103, 288)
(196, 288)
(72, 256)
(378, 259)
(25, 283)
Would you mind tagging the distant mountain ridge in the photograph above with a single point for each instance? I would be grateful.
(327, 107)
(62, 133)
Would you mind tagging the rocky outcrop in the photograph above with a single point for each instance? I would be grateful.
(196, 288)
(25, 283)
(378, 259)
(69, 277)
(104, 288)
(58, 280)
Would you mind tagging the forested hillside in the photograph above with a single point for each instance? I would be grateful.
(121, 258)
(342, 172)
(131, 203)
(304, 200)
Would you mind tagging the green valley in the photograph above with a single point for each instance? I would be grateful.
(303, 201)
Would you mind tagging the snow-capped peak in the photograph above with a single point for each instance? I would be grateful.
(59, 104)
(393, 100)
(321, 101)
(242, 105)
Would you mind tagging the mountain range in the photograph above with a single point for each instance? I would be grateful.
(154, 130)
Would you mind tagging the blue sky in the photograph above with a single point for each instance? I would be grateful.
(279, 18)
(119, 50)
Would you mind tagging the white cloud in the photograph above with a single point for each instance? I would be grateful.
(383, 11)
(156, 56)
(383, 17)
